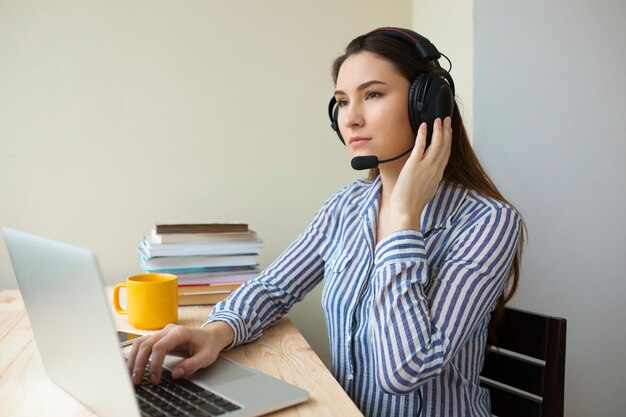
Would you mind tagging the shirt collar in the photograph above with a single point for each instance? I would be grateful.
(369, 203)
(438, 213)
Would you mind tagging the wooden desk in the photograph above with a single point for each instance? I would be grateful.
(25, 389)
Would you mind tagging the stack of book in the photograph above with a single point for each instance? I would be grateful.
(210, 259)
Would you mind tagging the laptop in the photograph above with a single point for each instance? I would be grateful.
(72, 321)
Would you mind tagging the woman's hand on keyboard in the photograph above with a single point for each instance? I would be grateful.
(202, 344)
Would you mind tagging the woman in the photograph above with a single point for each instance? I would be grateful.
(414, 259)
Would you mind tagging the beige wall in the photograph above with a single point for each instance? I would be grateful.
(116, 115)
(449, 25)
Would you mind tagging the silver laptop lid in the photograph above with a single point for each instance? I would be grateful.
(72, 322)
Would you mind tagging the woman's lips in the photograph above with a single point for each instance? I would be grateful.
(358, 141)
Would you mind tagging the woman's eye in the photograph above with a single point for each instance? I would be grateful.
(342, 102)
(373, 94)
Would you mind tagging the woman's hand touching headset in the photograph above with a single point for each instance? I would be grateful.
(420, 177)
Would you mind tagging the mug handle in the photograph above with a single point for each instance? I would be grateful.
(116, 298)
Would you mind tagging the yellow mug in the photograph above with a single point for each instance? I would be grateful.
(151, 300)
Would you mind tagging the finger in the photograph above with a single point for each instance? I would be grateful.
(446, 140)
(143, 356)
(447, 131)
(140, 359)
(133, 353)
(175, 338)
(420, 141)
(435, 140)
(134, 362)
(201, 359)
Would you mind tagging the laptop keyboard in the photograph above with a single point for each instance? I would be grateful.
(179, 398)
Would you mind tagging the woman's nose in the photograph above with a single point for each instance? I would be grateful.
(353, 116)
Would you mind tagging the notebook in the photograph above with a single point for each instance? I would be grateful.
(72, 322)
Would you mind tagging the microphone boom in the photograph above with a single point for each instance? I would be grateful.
(371, 161)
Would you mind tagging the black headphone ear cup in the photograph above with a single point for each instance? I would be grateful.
(430, 97)
(441, 93)
(336, 124)
(333, 114)
(439, 102)
(416, 101)
(444, 101)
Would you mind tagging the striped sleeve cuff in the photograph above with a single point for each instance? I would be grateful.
(404, 246)
(235, 321)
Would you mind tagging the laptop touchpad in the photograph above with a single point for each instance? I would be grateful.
(222, 371)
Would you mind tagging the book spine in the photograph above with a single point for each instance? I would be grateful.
(206, 289)
(157, 239)
(201, 228)
(202, 299)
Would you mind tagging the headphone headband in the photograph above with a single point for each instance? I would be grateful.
(425, 48)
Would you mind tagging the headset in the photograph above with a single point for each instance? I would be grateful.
(431, 94)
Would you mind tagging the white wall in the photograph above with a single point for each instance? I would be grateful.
(547, 108)
(117, 115)
(549, 111)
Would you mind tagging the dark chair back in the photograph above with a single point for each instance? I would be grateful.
(525, 365)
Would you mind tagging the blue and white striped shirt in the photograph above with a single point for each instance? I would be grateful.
(409, 313)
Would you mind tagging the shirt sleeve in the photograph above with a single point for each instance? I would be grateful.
(415, 337)
(261, 302)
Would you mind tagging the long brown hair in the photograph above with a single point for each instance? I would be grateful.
(463, 166)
